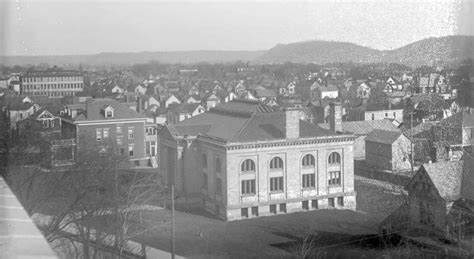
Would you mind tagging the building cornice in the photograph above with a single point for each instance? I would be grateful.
(274, 143)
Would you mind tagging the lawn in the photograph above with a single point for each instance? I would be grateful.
(198, 236)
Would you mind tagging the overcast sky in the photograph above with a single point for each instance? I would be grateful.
(45, 27)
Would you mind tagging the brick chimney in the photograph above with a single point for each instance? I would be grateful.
(88, 111)
(292, 125)
(139, 104)
(335, 117)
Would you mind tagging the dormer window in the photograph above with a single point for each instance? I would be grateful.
(109, 112)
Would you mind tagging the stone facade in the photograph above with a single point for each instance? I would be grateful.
(182, 162)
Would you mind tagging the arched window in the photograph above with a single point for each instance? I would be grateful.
(308, 160)
(276, 163)
(248, 166)
(218, 165)
(204, 161)
(334, 158)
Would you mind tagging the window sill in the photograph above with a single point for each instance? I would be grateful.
(334, 185)
(248, 195)
(247, 172)
(309, 188)
(276, 192)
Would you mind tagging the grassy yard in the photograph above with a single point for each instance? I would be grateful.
(202, 237)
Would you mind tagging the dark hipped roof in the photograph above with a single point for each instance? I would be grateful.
(184, 107)
(94, 111)
(243, 121)
(383, 136)
(364, 127)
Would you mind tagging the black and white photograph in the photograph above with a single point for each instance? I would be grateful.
(236, 129)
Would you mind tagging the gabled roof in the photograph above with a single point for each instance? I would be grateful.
(184, 107)
(54, 110)
(383, 136)
(94, 109)
(452, 179)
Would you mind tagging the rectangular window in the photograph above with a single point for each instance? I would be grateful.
(340, 201)
(109, 114)
(308, 181)
(334, 178)
(244, 212)
(283, 207)
(273, 209)
(130, 133)
(52, 123)
(331, 202)
(219, 186)
(248, 187)
(204, 181)
(119, 140)
(254, 211)
(105, 132)
(98, 134)
(276, 184)
(314, 204)
(45, 124)
(305, 205)
(130, 149)
(119, 129)
(147, 147)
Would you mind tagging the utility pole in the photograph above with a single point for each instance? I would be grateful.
(411, 143)
(172, 221)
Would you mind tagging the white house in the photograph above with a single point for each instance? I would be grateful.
(140, 89)
(171, 99)
(117, 89)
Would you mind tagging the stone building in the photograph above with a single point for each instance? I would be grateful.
(244, 159)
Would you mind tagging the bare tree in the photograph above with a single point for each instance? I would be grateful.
(69, 203)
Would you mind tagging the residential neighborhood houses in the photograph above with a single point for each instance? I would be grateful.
(241, 144)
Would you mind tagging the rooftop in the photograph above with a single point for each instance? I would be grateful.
(94, 111)
(364, 127)
(244, 121)
(52, 73)
(383, 136)
(452, 179)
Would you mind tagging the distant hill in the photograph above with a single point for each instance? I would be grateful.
(320, 52)
(127, 58)
(432, 51)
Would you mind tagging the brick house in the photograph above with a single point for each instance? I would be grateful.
(388, 150)
(245, 159)
(109, 121)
